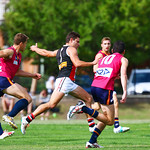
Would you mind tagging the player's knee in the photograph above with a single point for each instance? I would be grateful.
(28, 98)
(89, 99)
(96, 107)
(110, 122)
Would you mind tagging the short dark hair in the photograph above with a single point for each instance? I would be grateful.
(19, 37)
(119, 47)
(73, 35)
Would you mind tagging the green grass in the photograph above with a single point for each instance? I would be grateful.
(72, 135)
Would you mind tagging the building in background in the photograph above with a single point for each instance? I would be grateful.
(2, 11)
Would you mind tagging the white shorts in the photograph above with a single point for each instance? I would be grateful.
(65, 85)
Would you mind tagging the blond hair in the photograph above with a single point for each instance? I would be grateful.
(105, 38)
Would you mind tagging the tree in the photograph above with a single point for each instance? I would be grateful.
(48, 22)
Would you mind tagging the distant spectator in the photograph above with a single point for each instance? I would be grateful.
(44, 98)
(50, 84)
(7, 103)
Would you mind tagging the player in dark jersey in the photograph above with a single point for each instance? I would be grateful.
(68, 61)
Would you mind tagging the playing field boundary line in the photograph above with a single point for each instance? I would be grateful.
(80, 121)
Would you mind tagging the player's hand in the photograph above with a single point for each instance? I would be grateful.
(37, 76)
(124, 97)
(33, 47)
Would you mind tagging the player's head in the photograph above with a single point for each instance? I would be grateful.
(106, 44)
(21, 40)
(119, 47)
(73, 39)
(19, 37)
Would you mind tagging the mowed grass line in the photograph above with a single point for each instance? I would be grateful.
(60, 135)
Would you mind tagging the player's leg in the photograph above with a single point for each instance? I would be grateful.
(54, 100)
(20, 92)
(24, 99)
(117, 127)
(96, 106)
(4, 105)
(61, 85)
(108, 110)
(29, 109)
(107, 117)
(12, 102)
(4, 134)
(80, 93)
(116, 106)
(92, 143)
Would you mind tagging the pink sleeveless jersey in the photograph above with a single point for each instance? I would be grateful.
(108, 69)
(9, 67)
(103, 53)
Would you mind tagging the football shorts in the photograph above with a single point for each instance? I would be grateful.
(102, 96)
(4, 84)
(65, 85)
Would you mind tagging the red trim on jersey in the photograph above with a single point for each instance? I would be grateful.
(72, 74)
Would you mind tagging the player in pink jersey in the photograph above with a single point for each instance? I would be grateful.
(10, 60)
(105, 45)
(105, 51)
(102, 90)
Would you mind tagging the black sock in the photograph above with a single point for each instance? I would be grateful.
(30, 118)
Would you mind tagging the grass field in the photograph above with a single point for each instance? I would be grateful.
(59, 134)
(72, 135)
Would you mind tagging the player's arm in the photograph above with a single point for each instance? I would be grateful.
(43, 52)
(22, 73)
(75, 59)
(6, 53)
(98, 56)
(123, 77)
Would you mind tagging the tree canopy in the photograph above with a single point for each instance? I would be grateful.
(48, 22)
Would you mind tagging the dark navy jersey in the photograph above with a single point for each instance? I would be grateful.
(66, 67)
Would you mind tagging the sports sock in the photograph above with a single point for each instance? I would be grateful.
(21, 104)
(1, 130)
(91, 112)
(30, 118)
(91, 122)
(95, 135)
(116, 123)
